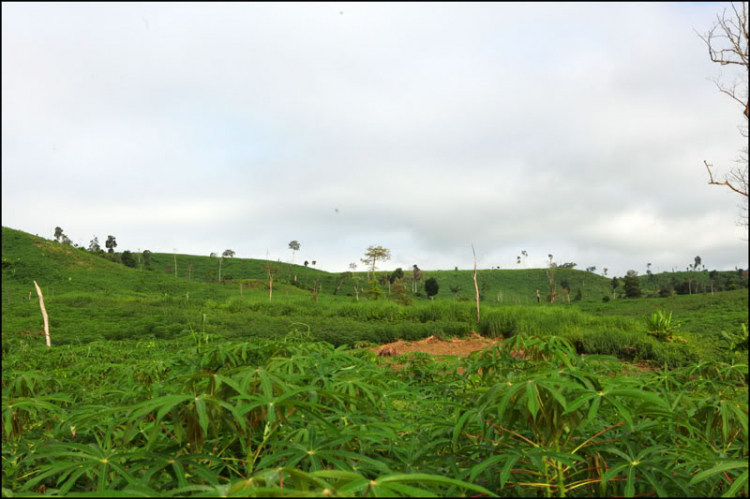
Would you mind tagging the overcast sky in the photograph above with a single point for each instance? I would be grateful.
(578, 130)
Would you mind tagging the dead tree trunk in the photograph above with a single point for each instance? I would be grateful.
(552, 286)
(476, 286)
(44, 314)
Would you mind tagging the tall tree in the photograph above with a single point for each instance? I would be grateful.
(228, 253)
(727, 43)
(294, 246)
(375, 254)
(110, 244)
(58, 234)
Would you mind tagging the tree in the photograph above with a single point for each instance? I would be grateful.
(431, 287)
(591, 269)
(313, 263)
(58, 234)
(66, 240)
(294, 246)
(212, 255)
(604, 271)
(416, 274)
(127, 259)
(399, 292)
(110, 244)
(615, 283)
(396, 274)
(565, 285)
(147, 259)
(727, 43)
(228, 253)
(375, 253)
(94, 245)
(307, 263)
(632, 284)
(696, 263)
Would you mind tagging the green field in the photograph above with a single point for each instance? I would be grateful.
(159, 384)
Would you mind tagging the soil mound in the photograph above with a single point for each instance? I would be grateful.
(460, 347)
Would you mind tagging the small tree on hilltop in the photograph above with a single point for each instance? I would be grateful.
(58, 234)
(228, 253)
(294, 246)
(147, 259)
(632, 284)
(615, 282)
(94, 245)
(431, 287)
(110, 244)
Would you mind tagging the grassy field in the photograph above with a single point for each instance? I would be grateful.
(159, 384)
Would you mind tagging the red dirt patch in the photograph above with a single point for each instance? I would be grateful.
(436, 346)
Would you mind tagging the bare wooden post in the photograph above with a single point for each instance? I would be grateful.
(44, 314)
(476, 287)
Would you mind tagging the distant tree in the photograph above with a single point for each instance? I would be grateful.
(551, 263)
(569, 265)
(416, 274)
(696, 263)
(375, 253)
(431, 287)
(110, 244)
(398, 291)
(228, 253)
(313, 263)
(615, 282)
(127, 259)
(94, 245)
(147, 259)
(591, 269)
(525, 255)
(212, 255)
(66, 240)
(353, 266)
(294, 246)
(632, 284)
(58, 234)
(604, 271)
(307, 263)
(396, 274)
(518, 260)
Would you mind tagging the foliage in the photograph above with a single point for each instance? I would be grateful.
(662, 327)
(431, 287)
(632, 285)
(375, 254)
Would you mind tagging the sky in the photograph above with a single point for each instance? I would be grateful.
(577, 130)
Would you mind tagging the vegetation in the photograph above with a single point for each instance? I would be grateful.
(159, 384)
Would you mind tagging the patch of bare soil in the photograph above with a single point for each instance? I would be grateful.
(435, 346)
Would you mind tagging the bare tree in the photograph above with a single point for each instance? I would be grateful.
(476, 287)
(727, 43)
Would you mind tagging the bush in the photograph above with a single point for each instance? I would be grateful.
(605, 298)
